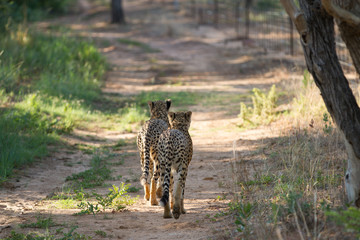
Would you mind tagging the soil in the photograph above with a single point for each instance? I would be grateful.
(188, 58)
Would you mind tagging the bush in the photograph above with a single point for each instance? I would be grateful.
(263, 110)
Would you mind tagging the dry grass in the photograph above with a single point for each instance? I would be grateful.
(292, 179)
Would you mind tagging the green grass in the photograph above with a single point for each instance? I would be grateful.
(178, 99)
(348, 218)
(41, 222)
(47, 84)
(133, 43)
(71, 234)
(66, 203)
(57, 66)
(93, 177)
(101, 233)
(116, 199)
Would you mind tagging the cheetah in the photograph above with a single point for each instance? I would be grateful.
(175, 150)
(147, 142)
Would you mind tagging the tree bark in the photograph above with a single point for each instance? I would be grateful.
(351, 37)
(117, 12)
(317, 39)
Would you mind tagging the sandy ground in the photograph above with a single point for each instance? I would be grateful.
(198, 59)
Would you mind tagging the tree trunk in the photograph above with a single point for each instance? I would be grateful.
(216, 13)
(351, 37)
(247, 18)
(117, 12)
(319, 49)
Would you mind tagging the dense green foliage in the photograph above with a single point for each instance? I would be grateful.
(15, 11)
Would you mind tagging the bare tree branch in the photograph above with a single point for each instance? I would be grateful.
(340, 13)
(296, 16)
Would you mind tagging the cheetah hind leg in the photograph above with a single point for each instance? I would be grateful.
(183, 211)
(167, 211)
(159, 190)
(153, 200)
(171, 191)
(176, 211)
(147, 191)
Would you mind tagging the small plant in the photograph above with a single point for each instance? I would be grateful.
(134, 43)
(307, 81)
(263, 109)
(88, 208)
(242, 212)
(116, 199)
(349, 218)
(260, 180)
(220, 198)
(100, 233)
(72, 235)
(291, 205)
(328, 128)
(69, 193)
(41, 222)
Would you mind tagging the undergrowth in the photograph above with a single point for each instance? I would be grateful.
(49, 85)
(45, 82)
(58, 234)
(115, 199)
(298, 183)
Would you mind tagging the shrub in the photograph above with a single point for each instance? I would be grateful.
(263, 110)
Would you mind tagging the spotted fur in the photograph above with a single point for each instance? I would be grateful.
(147, 140)
(175, 151)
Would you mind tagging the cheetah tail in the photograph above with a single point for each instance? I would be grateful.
(143, 180)
(145, 174)
(164, 199)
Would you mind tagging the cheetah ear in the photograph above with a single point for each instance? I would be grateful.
(171, 116)
(188, 115)
(151, 104)
(168, 104)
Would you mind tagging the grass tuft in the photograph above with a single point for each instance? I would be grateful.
(133, 43)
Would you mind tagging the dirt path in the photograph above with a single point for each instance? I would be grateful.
(198, 60)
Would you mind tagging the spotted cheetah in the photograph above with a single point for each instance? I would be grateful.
(147, 142)
(175, 150)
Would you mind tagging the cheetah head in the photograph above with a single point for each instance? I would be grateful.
(159, 109)
(180, 120)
